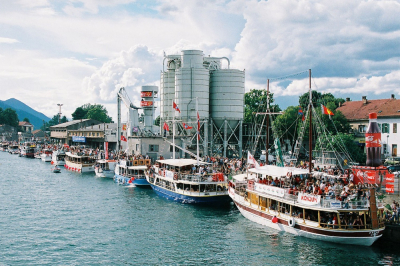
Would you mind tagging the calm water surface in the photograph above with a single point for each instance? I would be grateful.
(78, 219)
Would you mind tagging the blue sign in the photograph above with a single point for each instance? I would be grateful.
(78, 139)
(135, 129)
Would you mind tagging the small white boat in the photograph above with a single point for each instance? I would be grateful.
(46, 155)
(56, 169)
(58, 158)
(105, 168)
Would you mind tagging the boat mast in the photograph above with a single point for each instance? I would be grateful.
(198, 129)
(173, 133)
(310, 125)
(267, 135)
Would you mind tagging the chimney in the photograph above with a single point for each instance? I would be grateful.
(364, 99)
(340, 104)
(392, 97)
(348, 99)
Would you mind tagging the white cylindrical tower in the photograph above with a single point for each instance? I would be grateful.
(191, 82)
(226, 95)
(148, 93)
(167, 86)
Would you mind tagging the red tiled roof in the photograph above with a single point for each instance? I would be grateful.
(357, 110)
(36, 131)
(23, 123)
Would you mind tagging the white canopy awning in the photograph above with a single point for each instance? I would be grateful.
(276, 171)
(180, 162)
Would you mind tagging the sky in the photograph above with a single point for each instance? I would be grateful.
(75, 52)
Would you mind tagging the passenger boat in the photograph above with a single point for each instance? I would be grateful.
(27, 151)
(4, 146)
(132, 172)
(304, 214)
(81, 163)
(13, 149)
(46, 155)
(105, 168)
(175, 179)
(58, 158)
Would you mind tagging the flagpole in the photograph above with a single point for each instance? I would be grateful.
(198, 130)
(173, 133)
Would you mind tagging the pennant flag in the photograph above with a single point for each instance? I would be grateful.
(326, 111)
(198, 125)
(301, 113)
(124, 127)
(279, 157)
(166, 127)
(252, 160)
(123, 138)
(176, 107)
(186, 126)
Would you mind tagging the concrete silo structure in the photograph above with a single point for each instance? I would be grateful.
(220, 96)
(148, 93)
(226, 110)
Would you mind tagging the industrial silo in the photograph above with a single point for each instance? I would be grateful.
(148, 93)
(226, 109)
(167, 87)
(191, 82)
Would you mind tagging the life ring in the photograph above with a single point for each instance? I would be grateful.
(289, 174)
(292, 222)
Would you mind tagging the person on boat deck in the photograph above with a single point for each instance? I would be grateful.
(358, 222)
(273, 183)
(343, 194)
(291, 190)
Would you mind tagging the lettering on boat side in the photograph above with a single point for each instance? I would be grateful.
(373, 233)
(276, 191)
(309, 199)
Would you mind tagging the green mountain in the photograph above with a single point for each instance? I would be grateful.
(35, 118)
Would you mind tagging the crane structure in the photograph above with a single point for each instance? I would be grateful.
(133, 115)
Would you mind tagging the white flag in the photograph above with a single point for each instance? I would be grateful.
(252, 160)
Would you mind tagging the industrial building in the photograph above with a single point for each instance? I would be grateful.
(191, 78)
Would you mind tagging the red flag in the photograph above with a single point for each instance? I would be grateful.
(198, 125)
(326, 111)
(176, 107)
(186, 126)
(166, 127)
(123, 138)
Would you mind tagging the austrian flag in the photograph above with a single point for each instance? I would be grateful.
(175, 107)
(166, 127)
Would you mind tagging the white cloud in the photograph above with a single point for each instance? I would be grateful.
(8, 40)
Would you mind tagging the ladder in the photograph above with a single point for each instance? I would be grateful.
(184, 150)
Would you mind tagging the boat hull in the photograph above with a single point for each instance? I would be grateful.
(105, 173)
(351, 237)
(79, 168)
(122, 180)
(219, 199)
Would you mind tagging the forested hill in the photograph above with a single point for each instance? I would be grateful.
(35, 118)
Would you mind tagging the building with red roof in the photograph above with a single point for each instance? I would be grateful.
(388, 111)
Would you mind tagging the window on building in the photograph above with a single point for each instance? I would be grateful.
(385, 128)
(362, 128)
(153, 148)
(98, 134)
(171, 149)
(137, 147)
(394, 127)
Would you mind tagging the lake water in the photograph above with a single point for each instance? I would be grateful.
(78, 219)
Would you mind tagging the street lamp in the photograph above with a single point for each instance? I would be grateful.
(387, 145)
(59, 113)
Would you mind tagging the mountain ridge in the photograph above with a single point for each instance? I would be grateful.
(23, 110)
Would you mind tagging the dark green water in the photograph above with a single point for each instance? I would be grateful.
(75, 219)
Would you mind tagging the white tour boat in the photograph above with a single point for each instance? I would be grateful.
(58, 158)
(175, 179)
(46, 155)
(80, 162)
(302, 214)
(132, 172)
(105, 168)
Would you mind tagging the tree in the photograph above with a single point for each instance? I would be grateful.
(344, 143)
(26, 120)
(79, 113)
(286, 124)
(89, 111)
(9, 117)
(255, 101)
(157, 121)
